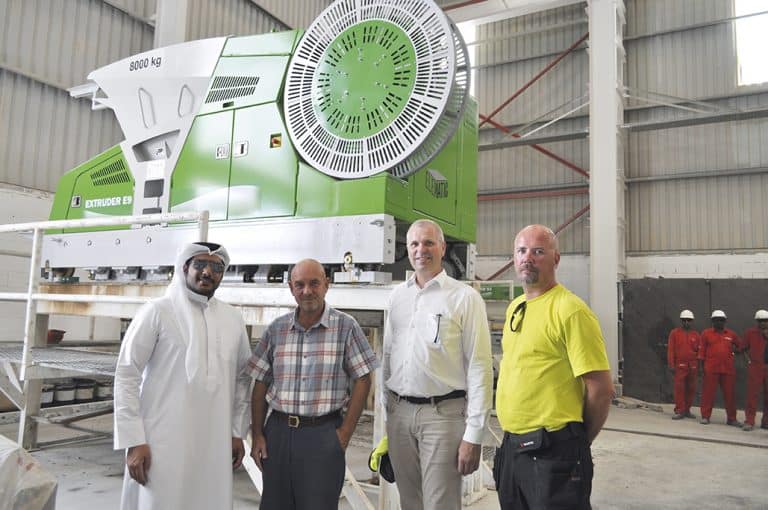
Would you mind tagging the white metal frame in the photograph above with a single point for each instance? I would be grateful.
(32, 296)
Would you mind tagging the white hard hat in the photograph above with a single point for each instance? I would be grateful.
(761, 315)
(718, 314)
(686, 314)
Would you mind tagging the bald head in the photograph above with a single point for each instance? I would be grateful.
(307, 266)
(536, 258)
(309, 285)
(542, 232)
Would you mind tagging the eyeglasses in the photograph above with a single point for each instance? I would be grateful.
(516, 321)
(200, 264)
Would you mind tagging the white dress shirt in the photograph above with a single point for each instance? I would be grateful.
(436, 341)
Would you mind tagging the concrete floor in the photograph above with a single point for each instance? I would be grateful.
(643, 460)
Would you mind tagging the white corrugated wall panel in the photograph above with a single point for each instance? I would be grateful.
(228, 17)
(46, 47)
(649, 16)
(724, 146)
(44, 132)
(698, 63)
(61, 42)
(687, 49)
(564, 83)
(523, 166)
(294, 13)
(510, 53)
(711, 213)
(143, 9)
(701, 215)
(498, 222)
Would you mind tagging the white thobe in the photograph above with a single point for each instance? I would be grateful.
(188, 425)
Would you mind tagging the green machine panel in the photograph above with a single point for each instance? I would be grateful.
(321, 195)
(435, 186)
(244, 81)
(200, 180)
(264, 165)
(466, 204)
(276, 43)
(102, 186)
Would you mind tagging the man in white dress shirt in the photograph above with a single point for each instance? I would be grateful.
(181, 404)
(438, 379)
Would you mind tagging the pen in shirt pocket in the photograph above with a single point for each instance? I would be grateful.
(438, 316)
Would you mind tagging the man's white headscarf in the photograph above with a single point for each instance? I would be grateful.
(189, 305)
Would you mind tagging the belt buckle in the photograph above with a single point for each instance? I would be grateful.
(293, 421)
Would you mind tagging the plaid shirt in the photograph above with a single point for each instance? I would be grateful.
(308, 371)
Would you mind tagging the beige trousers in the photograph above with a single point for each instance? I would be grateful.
(423, 447)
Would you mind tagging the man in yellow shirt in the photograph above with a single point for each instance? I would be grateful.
(554, 386)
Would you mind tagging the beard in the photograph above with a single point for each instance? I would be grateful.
(530, 276)
(208, 292)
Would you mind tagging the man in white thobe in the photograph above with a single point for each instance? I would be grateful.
(181, 406)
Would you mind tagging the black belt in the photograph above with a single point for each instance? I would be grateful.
(295, 421)
(571, 430)
(431, 400)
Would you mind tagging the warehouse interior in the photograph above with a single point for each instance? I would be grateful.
(635, 129)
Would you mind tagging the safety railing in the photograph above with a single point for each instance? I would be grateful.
(32, 295)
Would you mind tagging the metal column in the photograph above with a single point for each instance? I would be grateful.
(606, 153)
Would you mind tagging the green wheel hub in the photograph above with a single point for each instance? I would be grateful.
(364, 79)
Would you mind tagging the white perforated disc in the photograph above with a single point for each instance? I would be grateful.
(376, 85)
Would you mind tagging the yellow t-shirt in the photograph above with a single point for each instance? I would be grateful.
(557, 340)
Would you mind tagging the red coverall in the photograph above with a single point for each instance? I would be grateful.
(717, 352)
(682, 348)
(757, 375)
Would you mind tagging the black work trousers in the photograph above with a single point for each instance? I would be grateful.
(305, 466)
(557, 476)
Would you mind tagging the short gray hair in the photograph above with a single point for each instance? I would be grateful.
(423, 222)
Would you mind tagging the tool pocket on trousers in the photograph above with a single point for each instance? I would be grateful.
(498, 464)
(559, 483)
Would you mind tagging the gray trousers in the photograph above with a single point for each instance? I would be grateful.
(423, 448)
(305, 467)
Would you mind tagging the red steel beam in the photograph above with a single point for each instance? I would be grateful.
(533, 194)
(535, 78)
(559, 229)
(489, 119)
(581, 212)
(546, 152)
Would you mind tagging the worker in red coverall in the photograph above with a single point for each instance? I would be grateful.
(754, 343)
(718, 345)
(682, 351)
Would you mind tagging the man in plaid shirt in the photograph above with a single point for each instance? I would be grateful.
(303, 367)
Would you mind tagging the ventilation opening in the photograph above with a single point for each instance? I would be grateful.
(114, 173)
(225, 88)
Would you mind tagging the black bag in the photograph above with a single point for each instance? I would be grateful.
(530, 442)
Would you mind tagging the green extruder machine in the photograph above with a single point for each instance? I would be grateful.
(325, 144)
